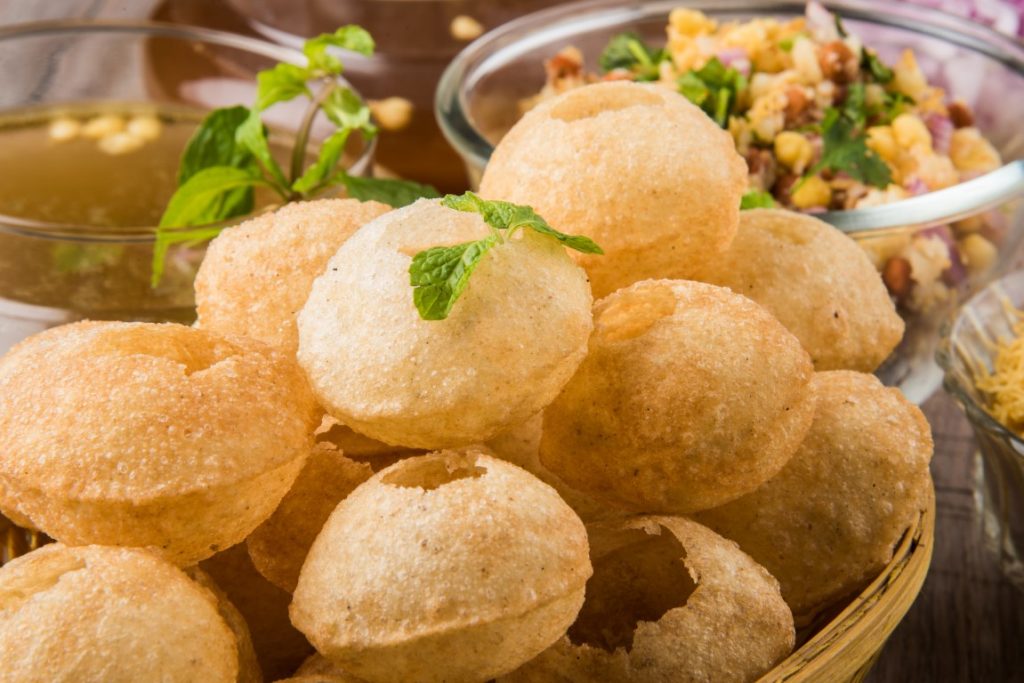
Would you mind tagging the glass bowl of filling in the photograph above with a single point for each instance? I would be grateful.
(895, 122)
(982, 354)
(94, 118)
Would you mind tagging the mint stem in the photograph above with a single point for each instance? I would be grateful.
(302, 137)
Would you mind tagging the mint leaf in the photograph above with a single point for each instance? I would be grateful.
(252, 136)
(213, 144)
(280, 84)
(510, 217)
(166, 239)
(197, 202)
(756, 199)
(344, 108)
(318, 172)
(439, 275)
(714, 88)
(396, 193)
(629, 51)
(354, 38)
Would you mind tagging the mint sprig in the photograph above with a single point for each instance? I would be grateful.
(229, 155)
(440, 275)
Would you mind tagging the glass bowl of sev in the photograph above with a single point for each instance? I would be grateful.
(982, 355)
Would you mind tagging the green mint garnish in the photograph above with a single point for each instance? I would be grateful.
(629, 51)
(229, 154)
(756, 199)
(439, 275)
(714, 88)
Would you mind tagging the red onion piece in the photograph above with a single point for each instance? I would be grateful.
(821, 22)
(956, 272)
(941, 128)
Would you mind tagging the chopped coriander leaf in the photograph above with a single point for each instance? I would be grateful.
(714, 88)
(629, 51)
(845, 150)
(893, 104)
(439, 275)
(756, 199)
(840, 29)
(871, 64)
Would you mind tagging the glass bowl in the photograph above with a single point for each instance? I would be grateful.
(477, 98)
(968, 345)
(53, 274)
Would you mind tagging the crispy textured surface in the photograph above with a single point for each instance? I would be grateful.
(248, 665)
(109, 615)
(150, 435)
(513, 339)
(279, 646)
(453, 566)
(690, 396)
(733, 625)
(255, 277)
(828, 522)
(521, 446)
(278, 547)
(817, 281)
(638, 168)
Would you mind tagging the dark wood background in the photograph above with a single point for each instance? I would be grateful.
(968, 622)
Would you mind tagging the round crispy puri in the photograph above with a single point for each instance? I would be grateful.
(278, 546)
(248, 664)
(318, 668)
(453, 566)
(139, 434)
(255, 277)
(279, 645)
(828, 522)
(817, 281)
(670, 600)
(521, 446)
(690, 396)
(510, 343)
(98, 614)
(355, 446)
(638, 168)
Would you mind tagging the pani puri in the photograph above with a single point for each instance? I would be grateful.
(355, 446)
(669, 601)
(278, 547)
(248, 665)
(638, 168)
(521, 446)
(96, 614)
(161, 436)
(279, 646)
(829, 521)
(513, 339)
(319, 669)
(818, 283)
(453, 566)
(690, 396)
(255, 277)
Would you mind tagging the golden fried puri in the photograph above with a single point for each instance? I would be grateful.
(137, 434)
(319, 669)
(509, 345)
(355, 446)
(638, 168)
(98, 614)
(669, 601)
(521, 446)
(278, 547)
(279, 646)
(689, 397)
(828, 522)
(255, 277)
(453, 566)
(817, 281)
(248, 665)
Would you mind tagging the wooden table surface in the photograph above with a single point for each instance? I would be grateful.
(968, 622)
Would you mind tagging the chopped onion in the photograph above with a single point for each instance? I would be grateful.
(821, 22)
(941, 128)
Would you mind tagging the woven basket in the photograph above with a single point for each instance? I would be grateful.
(842, 649)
